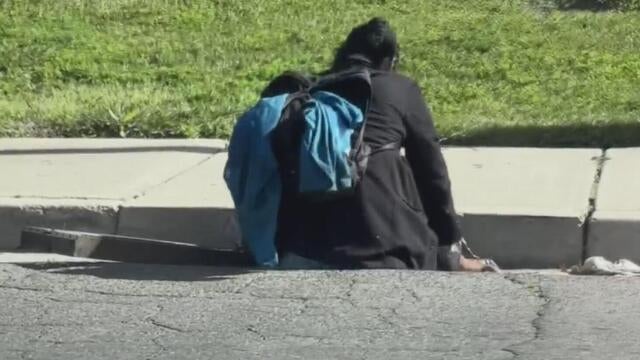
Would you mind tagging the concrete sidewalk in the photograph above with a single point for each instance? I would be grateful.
(525, 207)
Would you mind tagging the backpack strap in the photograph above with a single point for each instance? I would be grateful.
(302, 94)
(354, 85)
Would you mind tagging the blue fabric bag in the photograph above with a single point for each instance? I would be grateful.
(326, 143)
(326, 162)
(251, 174)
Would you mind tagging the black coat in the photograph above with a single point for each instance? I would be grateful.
(402, 209)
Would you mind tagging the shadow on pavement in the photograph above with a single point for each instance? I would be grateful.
(599, 136)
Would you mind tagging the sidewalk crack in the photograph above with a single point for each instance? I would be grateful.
(585, 223)
(169, 179)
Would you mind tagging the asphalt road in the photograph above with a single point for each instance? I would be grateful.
(126, 311)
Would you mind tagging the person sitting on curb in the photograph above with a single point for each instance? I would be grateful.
(401, 215)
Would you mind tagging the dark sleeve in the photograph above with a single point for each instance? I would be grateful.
(430, 171)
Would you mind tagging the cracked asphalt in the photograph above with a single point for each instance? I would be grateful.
(129, 311)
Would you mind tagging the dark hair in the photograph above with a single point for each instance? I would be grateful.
(286, 83)
(372, 41)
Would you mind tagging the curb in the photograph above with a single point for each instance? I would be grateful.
(614, 227)
(524, 207)
(82, 184)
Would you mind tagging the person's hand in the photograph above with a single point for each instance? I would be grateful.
(477, 265)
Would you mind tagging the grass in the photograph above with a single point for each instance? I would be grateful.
(494, 72)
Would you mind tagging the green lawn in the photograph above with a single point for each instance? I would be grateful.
(495, 72)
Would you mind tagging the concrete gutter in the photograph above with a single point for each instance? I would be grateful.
(524, 207)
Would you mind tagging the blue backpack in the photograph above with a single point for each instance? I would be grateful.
(319, 140)
(310, 141)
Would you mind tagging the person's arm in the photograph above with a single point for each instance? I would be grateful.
(432, 179)
(429, 169)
